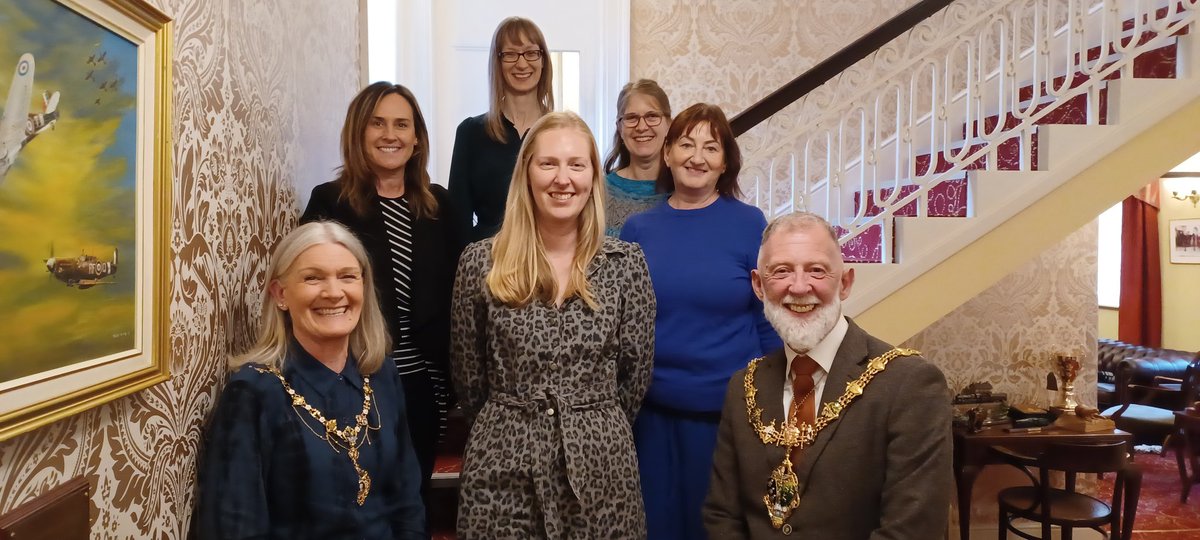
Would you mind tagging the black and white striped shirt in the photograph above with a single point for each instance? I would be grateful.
(398, 224)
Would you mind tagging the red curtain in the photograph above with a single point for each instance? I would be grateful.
(1139, 319)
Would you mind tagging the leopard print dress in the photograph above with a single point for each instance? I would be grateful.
(549, 395)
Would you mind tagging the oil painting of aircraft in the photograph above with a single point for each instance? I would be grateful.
(18, 126)
(82, 272)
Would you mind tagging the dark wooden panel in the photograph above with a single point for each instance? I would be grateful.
(59, 514)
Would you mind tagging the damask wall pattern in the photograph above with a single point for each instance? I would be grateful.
(1008, 335)
(260, 89)
(734, 52)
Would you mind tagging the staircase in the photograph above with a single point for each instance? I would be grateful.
(962, 149)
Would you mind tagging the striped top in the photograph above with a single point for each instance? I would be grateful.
(398, 223)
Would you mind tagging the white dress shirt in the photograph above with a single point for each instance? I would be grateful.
(823, 354)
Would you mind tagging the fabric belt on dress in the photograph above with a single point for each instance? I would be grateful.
(548, 400)
(551, 404)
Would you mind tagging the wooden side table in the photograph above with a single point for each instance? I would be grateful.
(971, 453)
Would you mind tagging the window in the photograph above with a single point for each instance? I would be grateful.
(566, 80)
(1108, 258)
(381, 40)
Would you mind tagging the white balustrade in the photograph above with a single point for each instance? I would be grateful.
(996, 67)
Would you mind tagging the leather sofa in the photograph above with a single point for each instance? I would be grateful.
(1149, 385)
(1145, 365)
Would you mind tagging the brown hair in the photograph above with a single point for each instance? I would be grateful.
(618, 158)
(718, 127)
(355, 176)
(515, 30)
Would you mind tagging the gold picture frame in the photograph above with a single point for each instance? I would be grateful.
(102, 70)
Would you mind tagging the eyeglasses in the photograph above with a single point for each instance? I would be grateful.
(510, 57)
(631, 120)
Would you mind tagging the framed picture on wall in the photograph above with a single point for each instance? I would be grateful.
(85, 185)
(1185, 241)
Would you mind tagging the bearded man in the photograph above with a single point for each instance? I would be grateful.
(872, 462)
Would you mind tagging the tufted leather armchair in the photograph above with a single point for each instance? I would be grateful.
(1150, 363)
(1147, 409)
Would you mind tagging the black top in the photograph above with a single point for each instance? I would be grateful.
(435, 248)
(267, 473)
(480, 171)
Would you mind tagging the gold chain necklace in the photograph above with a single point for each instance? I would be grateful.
(346, 437)
(783, 488)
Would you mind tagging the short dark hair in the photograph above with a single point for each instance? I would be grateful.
(718, 127)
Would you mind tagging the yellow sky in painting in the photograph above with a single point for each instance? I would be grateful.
(64, 190)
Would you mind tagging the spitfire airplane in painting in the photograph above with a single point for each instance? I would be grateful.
(19, 126)
(84, 272)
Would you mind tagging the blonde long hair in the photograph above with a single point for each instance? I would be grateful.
(521, 271)
(368, 341)
(512, 30)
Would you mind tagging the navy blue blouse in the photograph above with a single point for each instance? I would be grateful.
(266, 474)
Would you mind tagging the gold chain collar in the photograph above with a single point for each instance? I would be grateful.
(783, 488)
(346, 437)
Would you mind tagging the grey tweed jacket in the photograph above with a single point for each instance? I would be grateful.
(881, 471)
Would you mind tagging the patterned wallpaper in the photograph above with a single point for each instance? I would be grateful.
(260, 91)
(260, 88)
(734, 52)
(1008, 335)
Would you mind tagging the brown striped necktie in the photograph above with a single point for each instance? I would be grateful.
(803, 387)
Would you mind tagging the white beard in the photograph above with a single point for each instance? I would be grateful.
(800, 335)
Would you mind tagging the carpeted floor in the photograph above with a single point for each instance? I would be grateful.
(1160, 515)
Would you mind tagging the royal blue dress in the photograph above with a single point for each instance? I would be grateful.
(708, 325)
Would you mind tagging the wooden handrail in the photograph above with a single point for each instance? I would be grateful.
(835, 65)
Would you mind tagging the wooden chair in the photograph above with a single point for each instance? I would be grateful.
(1188, 422)
(1066, 508)
(1185, 439)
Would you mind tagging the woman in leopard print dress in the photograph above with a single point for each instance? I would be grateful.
(553, 331)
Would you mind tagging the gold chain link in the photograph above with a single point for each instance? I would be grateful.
(803, 434)
(346, 437)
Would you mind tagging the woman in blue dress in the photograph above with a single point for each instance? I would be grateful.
(633, 165)
(701, 244)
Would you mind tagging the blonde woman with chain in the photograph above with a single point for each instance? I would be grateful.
(310, 436)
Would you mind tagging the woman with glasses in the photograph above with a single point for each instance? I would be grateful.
(701, 244)
(486, 146)
(643, 116)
